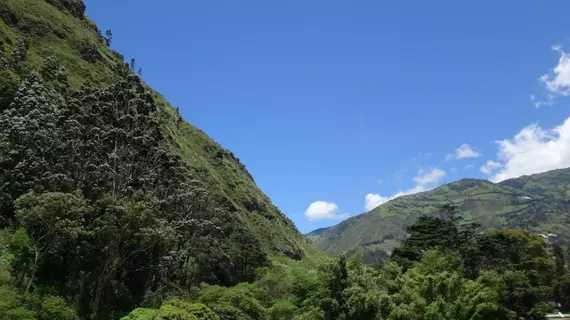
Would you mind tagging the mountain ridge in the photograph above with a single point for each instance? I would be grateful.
(538, 203)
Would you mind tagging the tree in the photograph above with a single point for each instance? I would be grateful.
(108, 37)
(31, 144)
(445, 233)
(335, 279)
(559, 260)
(56, 308)
(425, 234)
(51, 71)
(141, 314)
(51, 221)
(19, 55)
(435, 289)
(133, 65)
(181, 310)
(521, 261)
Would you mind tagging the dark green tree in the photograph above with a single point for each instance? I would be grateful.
(31, 144)
(108, 37)
(559, 260)
(19, 55)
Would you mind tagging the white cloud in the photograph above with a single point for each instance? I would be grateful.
(469, 166)
(463, 152)
(489, 167)
(425, 180)
(320, 210)
(532, 150)
(371, 201)
(556, 82)
(414, 190)
(428, 177)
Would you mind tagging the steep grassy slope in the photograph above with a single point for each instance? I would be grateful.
(59, 27)
(539, 203)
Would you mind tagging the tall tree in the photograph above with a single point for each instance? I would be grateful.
(108, 37)
(559, 260)
(31, 141)
(133, 65)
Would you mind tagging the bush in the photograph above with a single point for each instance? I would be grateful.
(9, 82)
(141, 314)
(282, 310)
(55, 308)
(182, 310)
(228, 312)
(89, 52)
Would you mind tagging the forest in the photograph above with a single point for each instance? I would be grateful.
(99, 219)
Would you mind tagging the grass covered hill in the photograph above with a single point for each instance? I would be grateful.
(539, 203)
(109, 200)
(60, 28)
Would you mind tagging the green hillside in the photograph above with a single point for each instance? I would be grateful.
(59, 27)
(113, 207)
(538, 203)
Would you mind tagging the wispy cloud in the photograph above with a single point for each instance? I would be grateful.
(556, 82)
(489, 167)
(430, 176)
(425, 180)
(464, 151)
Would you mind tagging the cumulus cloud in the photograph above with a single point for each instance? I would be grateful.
(463, 152)
(556, 82)
(425, 180)
(490, 166)
(371, 201)
(532, 150)
(320, 210)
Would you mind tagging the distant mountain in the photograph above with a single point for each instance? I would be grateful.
(539, 203)
(315, 234)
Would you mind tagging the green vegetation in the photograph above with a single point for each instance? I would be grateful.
(32, 30)
(502, 274)
(537, 203)
(108, 199)
(113, 207)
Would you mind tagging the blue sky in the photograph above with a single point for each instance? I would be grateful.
(335, 106)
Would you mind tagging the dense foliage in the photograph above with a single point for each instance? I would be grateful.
(112, 207)
(102, 214)
(502, 274)
(33, 30)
